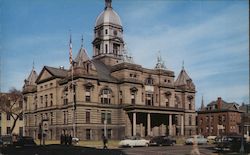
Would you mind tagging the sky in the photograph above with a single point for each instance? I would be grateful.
(211, 37)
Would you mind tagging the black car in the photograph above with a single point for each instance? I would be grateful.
(25, 141)
(162, 140)
(231, 144)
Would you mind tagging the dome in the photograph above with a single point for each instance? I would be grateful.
(108, 16)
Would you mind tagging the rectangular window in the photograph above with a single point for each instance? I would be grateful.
(102, 117)
(109, 133)
(21, 117)
(107, 117)
(51, 99)
(20, 104)
(190, 120)
(87, 95)
(8, 116)
(0, 130)
(8, 131)
(87, 116)
(132, 98)
(51, 118)
(46, 100)
(41, 99)
(35, 120)
(0, 116)
(149, 99)
(20, 131)
(88, 134)
(64, 117)
(106, 48)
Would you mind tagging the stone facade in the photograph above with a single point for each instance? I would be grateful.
(109, 94)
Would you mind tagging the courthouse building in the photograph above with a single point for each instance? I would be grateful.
(109, 93)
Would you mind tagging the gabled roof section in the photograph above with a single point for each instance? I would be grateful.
(81, 57)
(224, 105)
(48, 73)
(31, 80)
(184, 80)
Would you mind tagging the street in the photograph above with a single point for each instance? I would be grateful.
(80, 150)
(169, 150)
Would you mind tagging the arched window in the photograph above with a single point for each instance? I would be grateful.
(177, 101)
(167, 99)
(149, 81)
(65, 95)
(149, 98)
(106, 95)
(190, 99)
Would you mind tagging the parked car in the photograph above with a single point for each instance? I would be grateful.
(162, 140)
(231, 143)
(6, 140)
(133, 141)
(199, 139)
(211, 139)
(25, 141)
(75, 140)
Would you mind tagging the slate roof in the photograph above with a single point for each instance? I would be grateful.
(31, 80)
(225, 106)
(182, 78)
(57, 72)
(103, 71)
(81, 57)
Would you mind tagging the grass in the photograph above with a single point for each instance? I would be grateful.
(86, 143)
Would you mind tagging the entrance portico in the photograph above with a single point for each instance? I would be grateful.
(155, 122)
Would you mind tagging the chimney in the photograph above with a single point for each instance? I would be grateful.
(219, 103)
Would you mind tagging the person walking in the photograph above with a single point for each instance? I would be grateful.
(62, 139)
(70, 140)
(105, 141)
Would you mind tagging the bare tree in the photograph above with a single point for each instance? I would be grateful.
(12, 104)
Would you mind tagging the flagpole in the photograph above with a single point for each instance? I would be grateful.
(72, 88)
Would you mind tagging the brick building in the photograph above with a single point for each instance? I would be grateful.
(219, 117)
(109, 93)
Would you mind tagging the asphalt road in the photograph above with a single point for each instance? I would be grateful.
(170, 150)
(79, 150)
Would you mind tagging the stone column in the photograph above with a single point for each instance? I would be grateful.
(182, 125)
(170, 125)
(149, 124)
(134, 124)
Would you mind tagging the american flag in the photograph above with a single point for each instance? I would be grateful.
(70, 51)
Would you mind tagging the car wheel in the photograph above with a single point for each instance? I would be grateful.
(147, 145)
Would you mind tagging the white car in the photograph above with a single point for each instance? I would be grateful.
(133, 141)
(198, 139)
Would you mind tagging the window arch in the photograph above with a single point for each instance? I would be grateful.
(65, 95)
(105, 95)
(177, 101)
(149, 81)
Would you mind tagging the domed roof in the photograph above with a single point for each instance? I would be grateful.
(108, 16)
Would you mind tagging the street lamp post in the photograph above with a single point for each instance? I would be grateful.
(242, 132)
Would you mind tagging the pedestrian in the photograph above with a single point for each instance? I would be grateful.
(70, 139)
(105, 141)
(66, 139)
(62, 139)
(195, 150)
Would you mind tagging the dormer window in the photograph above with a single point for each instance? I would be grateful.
(149, 81)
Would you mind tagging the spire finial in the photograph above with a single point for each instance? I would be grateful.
(108, 4)
(33, 65)
(202, 102)
(182, 64)
(82, 42)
